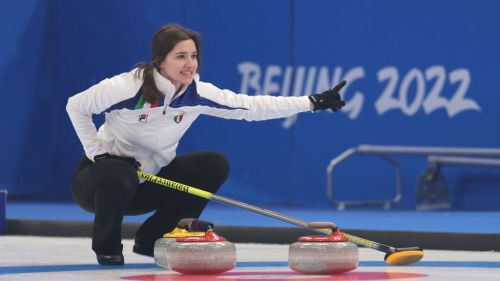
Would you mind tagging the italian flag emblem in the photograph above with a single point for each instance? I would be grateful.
(141, 103)
(178, 118)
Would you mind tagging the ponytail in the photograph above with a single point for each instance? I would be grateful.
(149, 89)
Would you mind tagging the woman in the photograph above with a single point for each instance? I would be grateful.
(147, 111)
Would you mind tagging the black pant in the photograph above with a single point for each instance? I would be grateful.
(110, 188)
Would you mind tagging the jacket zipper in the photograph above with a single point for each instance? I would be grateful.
(174, 97)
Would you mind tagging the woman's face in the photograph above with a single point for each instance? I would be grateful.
(181, 64)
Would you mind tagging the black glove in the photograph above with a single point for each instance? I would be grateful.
(328, 99)
(130, 160)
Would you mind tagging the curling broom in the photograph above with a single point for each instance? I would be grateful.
(394, 256)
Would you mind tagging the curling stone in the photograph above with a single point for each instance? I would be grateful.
(323, 254)
(208, 254)
(185, 228)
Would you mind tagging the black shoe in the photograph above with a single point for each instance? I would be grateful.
(142, 250)
(110, 259)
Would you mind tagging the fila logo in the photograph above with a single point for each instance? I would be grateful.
(143, 118)
(178, 118)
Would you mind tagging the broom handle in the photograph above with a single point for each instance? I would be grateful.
(221, 199)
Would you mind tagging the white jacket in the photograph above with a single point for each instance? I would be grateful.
(151, 133)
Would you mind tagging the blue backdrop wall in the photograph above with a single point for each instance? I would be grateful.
(420, 73)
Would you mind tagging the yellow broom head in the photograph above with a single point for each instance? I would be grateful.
(404, 257)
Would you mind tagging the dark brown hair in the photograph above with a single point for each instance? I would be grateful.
(164, 40)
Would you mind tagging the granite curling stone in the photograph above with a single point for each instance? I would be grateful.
(323, 254)
(185, 228)
(208, 254)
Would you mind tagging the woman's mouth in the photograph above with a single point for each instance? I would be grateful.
(187, 73)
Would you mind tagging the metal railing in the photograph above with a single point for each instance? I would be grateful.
(462, 161)
(436, 156)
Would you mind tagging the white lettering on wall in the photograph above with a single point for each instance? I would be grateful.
(407, 92)
(430, 100)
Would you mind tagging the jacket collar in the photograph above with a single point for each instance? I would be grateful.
(166, 87)
(163, 84)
